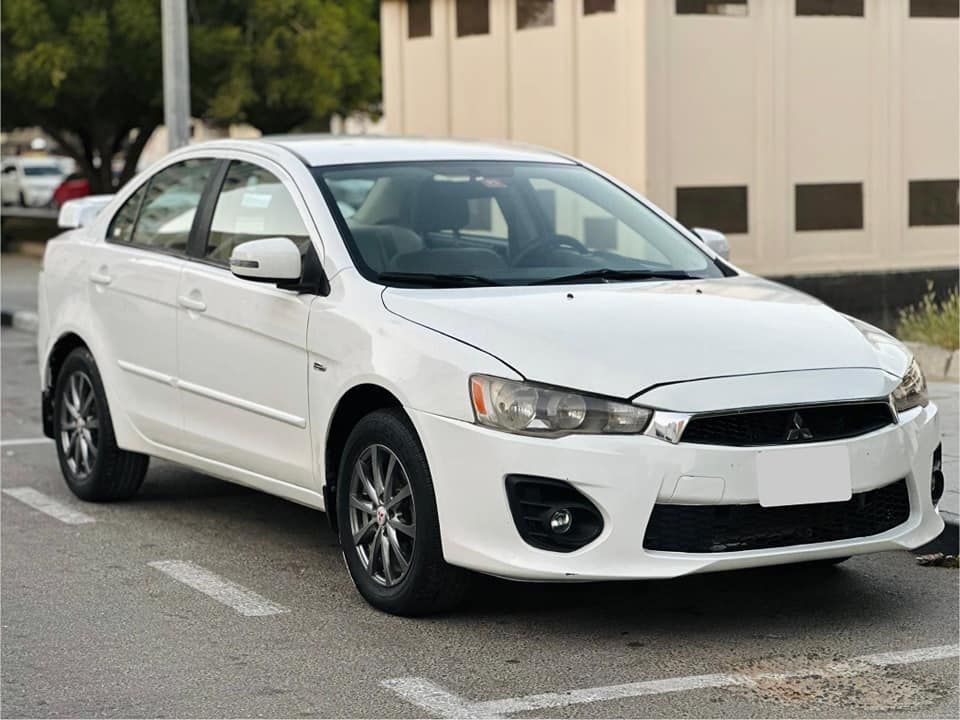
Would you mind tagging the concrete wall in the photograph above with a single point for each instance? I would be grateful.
(763, 99)
(577, 86)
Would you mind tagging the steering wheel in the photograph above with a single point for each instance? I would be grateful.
(551, 241)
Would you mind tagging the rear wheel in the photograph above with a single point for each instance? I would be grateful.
(93, 466)
(388, 523)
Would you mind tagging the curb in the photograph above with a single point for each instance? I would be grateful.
(19, 320)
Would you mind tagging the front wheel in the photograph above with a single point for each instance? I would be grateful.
(93, 466)
(387, 515)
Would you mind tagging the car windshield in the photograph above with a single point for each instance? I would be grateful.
(446, 224)
(42, 170)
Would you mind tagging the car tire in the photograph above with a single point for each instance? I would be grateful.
(395, 570)
(94, 468)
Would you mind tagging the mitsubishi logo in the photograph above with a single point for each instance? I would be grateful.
(796, 430)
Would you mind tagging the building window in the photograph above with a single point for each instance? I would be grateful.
(934, 202)
(473, 17)
(712, 7)
(831, 206)
(852, 8)
(534, 13)
(935, 8)
(599, 6)
(717, 208)
(418, 18)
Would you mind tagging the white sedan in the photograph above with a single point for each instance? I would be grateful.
(473, 358)
(30, 181)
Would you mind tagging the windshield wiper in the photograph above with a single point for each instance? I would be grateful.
(436, 279)
(607, 274)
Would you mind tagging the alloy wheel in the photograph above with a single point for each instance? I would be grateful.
(382, 515)
(79, 424)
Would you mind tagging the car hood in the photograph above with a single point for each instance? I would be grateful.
(619, 339)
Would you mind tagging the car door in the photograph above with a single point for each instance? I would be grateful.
(134, 277)
(243, 363)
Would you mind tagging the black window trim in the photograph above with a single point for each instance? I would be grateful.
(200, 231)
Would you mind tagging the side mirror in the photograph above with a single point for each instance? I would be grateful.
(714, 240)
(275, 260)
(82, 211)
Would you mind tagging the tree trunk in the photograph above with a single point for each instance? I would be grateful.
(75, 150)
(133, 153)
(84, 152)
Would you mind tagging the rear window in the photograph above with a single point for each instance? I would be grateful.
(42, 170)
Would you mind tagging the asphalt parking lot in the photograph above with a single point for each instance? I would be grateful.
(204, 599)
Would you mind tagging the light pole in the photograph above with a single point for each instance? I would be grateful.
(176, 73)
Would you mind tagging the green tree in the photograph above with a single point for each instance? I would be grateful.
(89, 72)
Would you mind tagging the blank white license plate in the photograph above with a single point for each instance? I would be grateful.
(803, 475)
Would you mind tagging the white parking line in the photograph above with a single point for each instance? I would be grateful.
(246, 602)
(25, 441)
(54, 508)
(435, 700)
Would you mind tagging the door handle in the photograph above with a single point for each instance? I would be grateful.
(100, 277)
(192, 303)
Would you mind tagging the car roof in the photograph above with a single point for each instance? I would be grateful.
(320, 150)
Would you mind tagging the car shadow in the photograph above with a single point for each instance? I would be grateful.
(848, 594)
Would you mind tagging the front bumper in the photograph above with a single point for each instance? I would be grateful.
(625, 476)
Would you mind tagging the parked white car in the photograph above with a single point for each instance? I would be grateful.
(504, 361)
(30, 181)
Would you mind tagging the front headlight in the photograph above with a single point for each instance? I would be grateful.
(912, 391)
(529, 409)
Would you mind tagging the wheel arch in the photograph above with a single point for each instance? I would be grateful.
(59, 351)
(354, 404)
(65, 344)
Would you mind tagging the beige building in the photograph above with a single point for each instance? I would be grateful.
(821, 135)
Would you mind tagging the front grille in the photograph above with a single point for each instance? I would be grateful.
(781, 426)
(729, 528)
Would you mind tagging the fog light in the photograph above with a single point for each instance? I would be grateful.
(561, 521)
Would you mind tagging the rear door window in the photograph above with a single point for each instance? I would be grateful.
(169, 205)
(121, 227)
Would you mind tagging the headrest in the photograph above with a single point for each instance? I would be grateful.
(440, 206)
